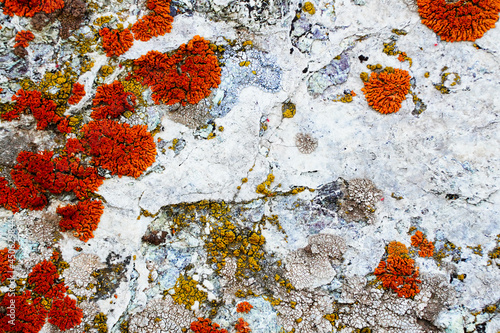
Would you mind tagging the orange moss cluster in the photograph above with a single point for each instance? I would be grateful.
(385, 91)
(462, 20)
(45, 295)
(186, 76)
(205, 325)
(77, 93)
(120, 148)
(398, 272)
(82, 217)
(116, 42)
(157, 23)
(29, 8)
(242, 326)
(35, 174)
(426, 247)
(244, 307)
(44, 110)
(111, 101)
(23, 38)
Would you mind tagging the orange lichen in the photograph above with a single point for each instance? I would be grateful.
(426, 247)
(44, 110)
(29, 8)
(82, 217)
(35, 174)
(7, 260)
(116, 42)
(205, 325)
(122, 149)
(43, 280)
(398, 272)
(111, 101)
(462, 20)
(244, 307)
(23, 38)
(27, 314)
(156, 23)
(77, 93)
(242, 326)
(186, 76)
(386, 91)
(64, 313)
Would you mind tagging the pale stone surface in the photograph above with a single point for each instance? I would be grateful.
(437, 171)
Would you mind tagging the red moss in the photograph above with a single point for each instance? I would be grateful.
(242, 326)
(386, 91)
(77, 93)
(244, 307)
(23, 38)
(398, 272)
(116, 42)
(205, 325)
(122, 149)
(29, 315)
(111, 101)
(82, 217)
(29, 8)
(43, 110)
(157, 23)
(64, 313)
(462, 20)
(184, 77)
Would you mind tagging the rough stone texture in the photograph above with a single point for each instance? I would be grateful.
(441, 164)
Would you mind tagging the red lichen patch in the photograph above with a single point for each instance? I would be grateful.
(44, 110)
(242, 326)
(111, 101)
(8, 197)
(35, 174)
(116, 42)
(23, 313)
(244, 307)
(205, 325)
(386, 91)
(463, 20)
(122, 149)
(23, 38)
(64, 313)
(157, 23)
(186, 76)
(29, 8)
(82, 217)
(43, 280)
(426, 247)
(7, 261)
(77, 93)
(398, 272)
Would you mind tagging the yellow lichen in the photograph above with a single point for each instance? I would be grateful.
(309, 8)
(187, 292)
